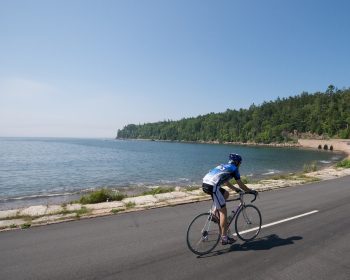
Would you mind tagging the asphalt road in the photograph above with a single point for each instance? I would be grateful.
(151, 244)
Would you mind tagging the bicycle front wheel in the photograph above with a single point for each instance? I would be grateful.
(203, 234)
(248, 223)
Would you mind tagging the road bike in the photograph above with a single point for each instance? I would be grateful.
(204, 233)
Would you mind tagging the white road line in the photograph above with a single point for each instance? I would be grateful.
(280, 221)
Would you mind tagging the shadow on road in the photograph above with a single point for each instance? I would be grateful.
(263, 243)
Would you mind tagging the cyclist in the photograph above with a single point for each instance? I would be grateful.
(212, 182)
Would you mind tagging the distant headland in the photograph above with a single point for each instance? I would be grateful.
(319, 116)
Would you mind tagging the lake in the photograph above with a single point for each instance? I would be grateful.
(34, 170)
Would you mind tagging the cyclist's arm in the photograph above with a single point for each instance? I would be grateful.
(232, 187)
(243, 186)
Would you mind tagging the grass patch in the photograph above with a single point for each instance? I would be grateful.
(191, 188)
(130, 205)
(308, 179)
(297, 176)
(65, 212)
(283, 177)
(83, 210)
(344, 163)
(27, 218)
(310, 167)
(158, 190)
(115, 211)
(25, 226)
(245, 180)
(101, 195)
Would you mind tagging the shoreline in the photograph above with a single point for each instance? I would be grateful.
(67, 195)
(38, 215)
(340, 145)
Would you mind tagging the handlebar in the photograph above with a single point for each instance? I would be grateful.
(241, 193)
(255, 196)
(253, 193)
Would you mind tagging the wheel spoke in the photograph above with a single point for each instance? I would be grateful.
(248, 223)
(207, 231)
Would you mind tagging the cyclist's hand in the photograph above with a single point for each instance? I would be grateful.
(237, 190)
(254, 192)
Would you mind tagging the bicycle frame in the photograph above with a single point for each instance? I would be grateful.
(240, 206)
(208, 224)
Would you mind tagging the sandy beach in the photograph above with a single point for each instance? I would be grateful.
(342, 145)
(38, 215)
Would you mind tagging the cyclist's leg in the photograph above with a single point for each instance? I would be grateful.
(221, 196)
(220, 203)
(208, 189)
(223, 219)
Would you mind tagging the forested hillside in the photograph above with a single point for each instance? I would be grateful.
(322, 113)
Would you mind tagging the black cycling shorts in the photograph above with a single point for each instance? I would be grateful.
(217, 194)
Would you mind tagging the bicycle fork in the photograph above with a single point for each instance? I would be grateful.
(245, 216)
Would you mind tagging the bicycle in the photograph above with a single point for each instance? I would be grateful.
(203, 233)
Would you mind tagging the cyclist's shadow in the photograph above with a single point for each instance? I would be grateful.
(264, 243)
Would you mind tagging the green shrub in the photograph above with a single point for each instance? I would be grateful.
(245, 179)
(26, 225)
(101, 195)
(310, 167)
(344, 163)
(344, 134)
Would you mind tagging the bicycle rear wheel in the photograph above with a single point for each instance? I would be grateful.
(248, 223)
(203, 234)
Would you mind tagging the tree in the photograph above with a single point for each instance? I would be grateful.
(320, 113)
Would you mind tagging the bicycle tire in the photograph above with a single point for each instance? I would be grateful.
(248, 222)
(203, 234)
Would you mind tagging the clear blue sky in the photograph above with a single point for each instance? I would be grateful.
(86, 68)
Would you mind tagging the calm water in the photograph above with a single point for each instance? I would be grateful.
(43, 168)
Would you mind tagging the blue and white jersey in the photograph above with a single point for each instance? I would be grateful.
(221, 174)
